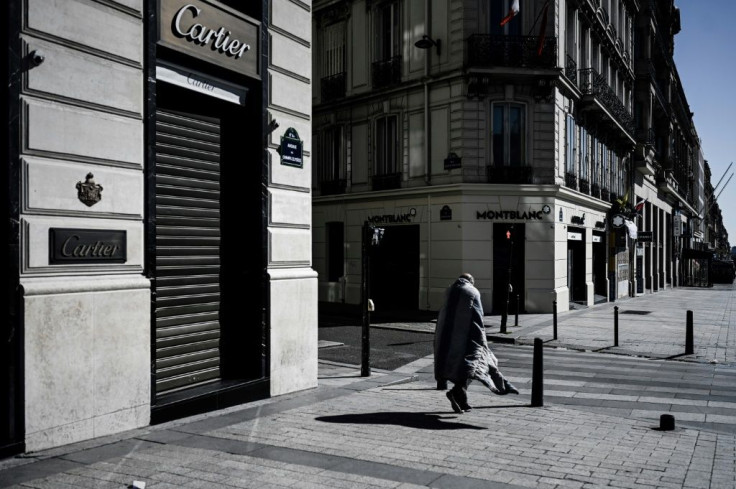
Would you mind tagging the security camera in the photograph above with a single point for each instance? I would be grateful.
(36, 57)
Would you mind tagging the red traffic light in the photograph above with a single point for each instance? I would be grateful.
(508, 234)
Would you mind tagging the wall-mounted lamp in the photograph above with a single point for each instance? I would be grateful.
(427, 42)
(272, 126)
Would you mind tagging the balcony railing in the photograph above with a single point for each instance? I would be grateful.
(605, 194)
(386, 72)
(489, 51)
(595, 191)
(333, 87)
(510, 174)
(584, 186)
(571, 181)
(592, 83)
(388, 181)
(333, 187)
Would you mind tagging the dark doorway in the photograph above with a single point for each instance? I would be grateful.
(395, 270)
(208, 293)
(599, 267)
(576, 265)
(508, 248)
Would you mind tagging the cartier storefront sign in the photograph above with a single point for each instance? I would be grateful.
(211, 31)
(86, 246)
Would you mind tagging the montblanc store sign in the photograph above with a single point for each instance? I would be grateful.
(393, 218)
(211, 31)
(530, 215)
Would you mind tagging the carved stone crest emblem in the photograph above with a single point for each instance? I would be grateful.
(89, 192)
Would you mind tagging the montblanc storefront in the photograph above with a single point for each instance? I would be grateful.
(158, 214)
(549, 246)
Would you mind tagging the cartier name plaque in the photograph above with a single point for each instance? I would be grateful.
(87, 246)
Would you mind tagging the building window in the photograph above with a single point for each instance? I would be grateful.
(570, 146)
(387, 145)
(508, 134)
(499, 10)
(331, 160)
(333, 72)
(584, 156)
(335, 251)
(387, 32)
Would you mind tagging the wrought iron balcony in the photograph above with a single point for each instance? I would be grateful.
(510, 174)
(333, 187)
(605, 194)
(584, 186)
(571, 181)
(386, 72)
(592, 83)
(491, 51)
(595, 191)
(388, 181)
(333, 87)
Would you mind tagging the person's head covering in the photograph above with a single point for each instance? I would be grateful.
(468, 277)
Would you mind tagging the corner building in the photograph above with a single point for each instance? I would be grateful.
(157, 165)
(498, 148)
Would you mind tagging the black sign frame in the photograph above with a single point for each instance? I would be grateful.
(98, 246)
(292, 153)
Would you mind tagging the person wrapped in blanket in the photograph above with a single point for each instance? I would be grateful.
(461, 352)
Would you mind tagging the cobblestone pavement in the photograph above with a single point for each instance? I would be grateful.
(395, 430)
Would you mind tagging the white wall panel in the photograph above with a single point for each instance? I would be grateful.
(88, 23)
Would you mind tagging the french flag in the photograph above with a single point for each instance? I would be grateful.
(512, 13)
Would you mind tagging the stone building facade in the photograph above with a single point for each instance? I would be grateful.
(158, 163)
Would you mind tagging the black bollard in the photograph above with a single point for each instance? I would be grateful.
(689, 334)
(554, 320)
(615, 325)
(666, 422)
(516, 320)
(537, 375)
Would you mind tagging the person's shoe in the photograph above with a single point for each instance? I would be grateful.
(453, 402)
(510, 389)
(465, 407)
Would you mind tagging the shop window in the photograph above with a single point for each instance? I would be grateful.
(335, 251)
(508, 134)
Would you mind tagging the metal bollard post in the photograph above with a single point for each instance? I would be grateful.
(537, 375)
(615, 325)
(689, 334)
(516, 320)
(554, 320)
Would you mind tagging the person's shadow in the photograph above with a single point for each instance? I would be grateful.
(427, 421)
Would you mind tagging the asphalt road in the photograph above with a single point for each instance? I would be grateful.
(389, 349)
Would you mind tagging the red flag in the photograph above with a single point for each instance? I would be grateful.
(542, 29)
(640, 205)
(512, 13)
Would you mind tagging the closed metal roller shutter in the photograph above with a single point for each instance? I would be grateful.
(187, 284)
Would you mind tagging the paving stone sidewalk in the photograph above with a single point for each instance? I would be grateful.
(390, 430)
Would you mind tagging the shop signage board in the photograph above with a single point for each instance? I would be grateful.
(212, 32)
(68, 245)
(644, 237)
